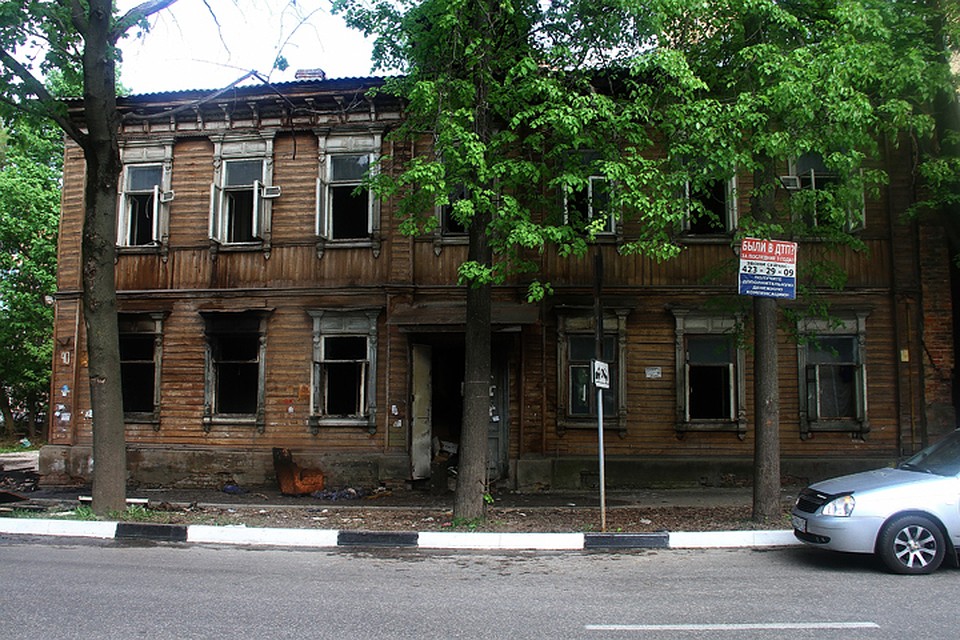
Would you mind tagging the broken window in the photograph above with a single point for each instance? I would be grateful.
(590, 206)
(344, 368)
(833, 390)
(237, 209)
(710, 374)
(139, 219)
(451, 224)
(139, 363)
(348, 204)
(712, 208)
(235, 356)
(242, 192)
(822, 198)
(710, 379)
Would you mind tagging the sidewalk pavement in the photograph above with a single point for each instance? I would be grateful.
(435, 540)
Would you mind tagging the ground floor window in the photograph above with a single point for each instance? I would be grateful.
(140, 351)
(235, 354)
(833, 389)
(710, 374)
(577, 348)
(344, 368)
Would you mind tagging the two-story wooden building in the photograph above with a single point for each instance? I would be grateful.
(266, 301)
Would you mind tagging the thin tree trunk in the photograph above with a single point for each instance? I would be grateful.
(766, 460)
(766, 383)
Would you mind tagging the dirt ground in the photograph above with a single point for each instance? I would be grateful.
(563, 519)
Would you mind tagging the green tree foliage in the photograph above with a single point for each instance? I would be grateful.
(30, 167)
(77, 41)
(522, 101)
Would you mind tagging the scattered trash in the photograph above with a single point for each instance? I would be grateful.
(348, 493)
(233, 489)
(24, 443)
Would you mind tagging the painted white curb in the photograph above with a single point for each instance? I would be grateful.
(262, 535)
(72, 528)
(721, 539)
(488, 540)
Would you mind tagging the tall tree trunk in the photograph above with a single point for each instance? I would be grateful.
(98, 247)
(766, 383)
(472, 472)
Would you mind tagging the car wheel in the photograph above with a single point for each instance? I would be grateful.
(911, 544)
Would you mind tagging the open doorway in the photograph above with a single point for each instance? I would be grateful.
(437, 402)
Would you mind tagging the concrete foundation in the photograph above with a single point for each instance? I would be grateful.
(213, 468)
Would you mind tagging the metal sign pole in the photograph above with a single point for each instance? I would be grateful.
(603, 480)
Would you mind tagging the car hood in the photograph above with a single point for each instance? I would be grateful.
(872, 481)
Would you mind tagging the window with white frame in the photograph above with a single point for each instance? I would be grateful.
(348, 212)
(235, 357)
(140, 353)
(710, 374)
(241, 195)
(344, 368)
(577, 348)
(145, 194)
(820, 199)
(711, 208)
(590, 206)
(833, 390)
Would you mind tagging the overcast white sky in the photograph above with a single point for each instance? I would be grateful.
(186, 50)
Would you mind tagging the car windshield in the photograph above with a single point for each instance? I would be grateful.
(941, 458)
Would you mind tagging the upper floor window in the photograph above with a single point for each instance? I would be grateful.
(451, 225)
(242, 192)
(833, 389)
(711, 208)
(344, 368)
(710, 374)
(590, 206)
(820, 199)
(348, 212)
(145, 194)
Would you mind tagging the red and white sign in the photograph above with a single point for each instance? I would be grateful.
(768, 268)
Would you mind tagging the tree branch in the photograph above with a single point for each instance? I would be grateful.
(136, 14)
(77, 15)
(44, 102)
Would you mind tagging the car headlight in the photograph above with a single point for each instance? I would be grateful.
(841, 507)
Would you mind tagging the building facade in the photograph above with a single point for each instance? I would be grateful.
(268, 299)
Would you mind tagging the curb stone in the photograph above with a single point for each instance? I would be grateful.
(331, 538)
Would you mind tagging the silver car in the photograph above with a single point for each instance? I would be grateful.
(909, 516)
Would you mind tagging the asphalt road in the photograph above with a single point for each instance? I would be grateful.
(63, 589)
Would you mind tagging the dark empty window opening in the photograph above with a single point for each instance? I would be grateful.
(590, 203)
(137, 372)
(235, 352)
(349, 212)
(344, 375)
(710, 380)
(712, 218)
(349, 202)
(450, 225)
